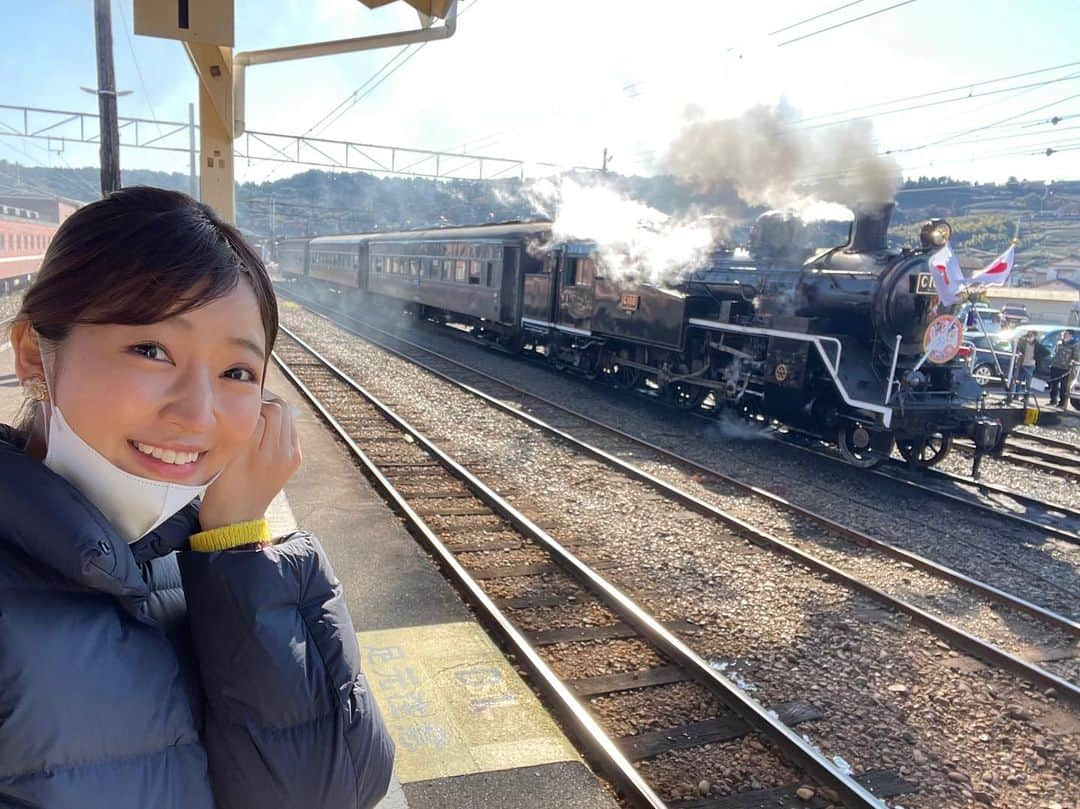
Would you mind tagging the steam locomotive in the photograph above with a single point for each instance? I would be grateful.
(835, 342)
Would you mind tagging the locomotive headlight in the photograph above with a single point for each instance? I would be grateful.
(935, 233)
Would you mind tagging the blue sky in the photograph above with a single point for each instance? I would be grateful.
(559, 80)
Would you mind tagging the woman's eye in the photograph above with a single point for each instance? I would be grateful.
(241, 374)
(151, 351)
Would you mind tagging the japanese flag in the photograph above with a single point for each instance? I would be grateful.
(999, 269)
(947, 275)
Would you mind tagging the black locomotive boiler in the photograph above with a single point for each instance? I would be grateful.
(829, 341)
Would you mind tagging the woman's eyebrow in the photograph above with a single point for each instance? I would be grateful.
(250, 345)
(243, 342)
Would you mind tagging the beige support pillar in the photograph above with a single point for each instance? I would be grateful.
(213, 65)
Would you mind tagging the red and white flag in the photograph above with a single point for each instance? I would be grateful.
(997, 272)
(947, 275)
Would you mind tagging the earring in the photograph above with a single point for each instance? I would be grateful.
(35, 389)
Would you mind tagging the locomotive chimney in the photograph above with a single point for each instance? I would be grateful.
(871, 226)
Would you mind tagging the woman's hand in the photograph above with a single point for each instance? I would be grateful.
(252, 479)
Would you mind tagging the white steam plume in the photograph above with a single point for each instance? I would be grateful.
(634, 241)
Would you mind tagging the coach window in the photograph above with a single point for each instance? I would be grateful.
(490, 273)
(414, 267)
(378, 264)
(460, 271)
(436, 269)
(474, 273)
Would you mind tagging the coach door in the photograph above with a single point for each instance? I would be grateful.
(576, 277)
(538, 288)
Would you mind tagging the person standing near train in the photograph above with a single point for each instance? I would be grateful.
(1026, 347)
(1061, 366)
(158, 650)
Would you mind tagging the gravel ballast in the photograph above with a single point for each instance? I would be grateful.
(887, 689)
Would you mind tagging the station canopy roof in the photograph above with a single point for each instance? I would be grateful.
(432, 8)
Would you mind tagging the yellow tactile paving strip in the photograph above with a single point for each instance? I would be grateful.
(453, 704)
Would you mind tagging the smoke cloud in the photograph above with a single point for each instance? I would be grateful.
(769, 161)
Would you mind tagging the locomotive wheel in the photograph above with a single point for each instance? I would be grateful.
(862, 447)
(685, 396)
(622, 377)
(925, 452)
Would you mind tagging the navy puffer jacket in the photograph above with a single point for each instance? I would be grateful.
(138, 677)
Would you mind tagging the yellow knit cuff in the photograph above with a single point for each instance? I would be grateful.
(231, 536)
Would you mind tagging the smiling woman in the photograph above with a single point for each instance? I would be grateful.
(142, 346)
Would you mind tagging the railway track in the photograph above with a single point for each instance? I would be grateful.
(561, 420)
(1023, 510)
(543, 600)
(1017, 507)
(1033, 451)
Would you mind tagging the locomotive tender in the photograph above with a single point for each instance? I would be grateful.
(829, 341)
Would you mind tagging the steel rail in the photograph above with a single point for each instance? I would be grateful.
(963, 640)
(1068, 536)
(797, 749)
(883, 471)
(1020, 497)
(858, 537)
(588, 733)
(1044, 461)
(1047, 440)
(1044, 451)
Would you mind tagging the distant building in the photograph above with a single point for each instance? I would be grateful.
(48, 209)
(27, 225)
(1056, 302)
(1066, 270)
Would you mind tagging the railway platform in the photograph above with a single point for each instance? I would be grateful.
(469, 732)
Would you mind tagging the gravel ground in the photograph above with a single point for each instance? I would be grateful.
(9, 305)
(1058, 489)
(1040, 571)
(1007, 555)
(892, 697)
(1067, 430)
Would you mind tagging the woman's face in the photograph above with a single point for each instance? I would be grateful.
(173, 401)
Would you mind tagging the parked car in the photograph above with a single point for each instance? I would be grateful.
(1014, 314)
(983, 368)
(1048, 338)
(980, 313)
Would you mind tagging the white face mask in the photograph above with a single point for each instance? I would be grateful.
(134, 506)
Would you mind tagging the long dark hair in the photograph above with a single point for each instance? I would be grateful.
(137, 257)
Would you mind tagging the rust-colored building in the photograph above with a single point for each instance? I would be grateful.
(27, 224)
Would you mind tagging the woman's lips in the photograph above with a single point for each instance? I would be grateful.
(161, 470)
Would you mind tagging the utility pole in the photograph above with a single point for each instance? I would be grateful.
(606, 159)
(193, 189)
(106, 93)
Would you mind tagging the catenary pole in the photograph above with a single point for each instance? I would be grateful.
(194, 180)
(110, 134)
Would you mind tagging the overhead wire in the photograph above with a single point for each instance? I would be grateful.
(357, 96)
(815, 17)
(846, 22)
(138, 70)
(986, 126)
(941, 102)
(367, 88)
(953, 89)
